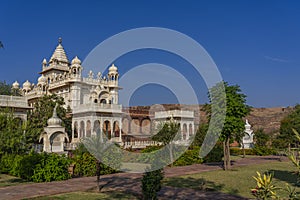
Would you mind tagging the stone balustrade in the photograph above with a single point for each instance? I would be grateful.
(93, 107)
(13, 101)
(175, 114)
(140, 144)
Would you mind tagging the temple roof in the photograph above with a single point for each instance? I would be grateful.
(59, 53)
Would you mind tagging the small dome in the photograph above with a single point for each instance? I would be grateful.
(112, 69)
(16, 85)
(54, 120)
(76, 61)
(42, 80)
(27, 85)
(44, 61)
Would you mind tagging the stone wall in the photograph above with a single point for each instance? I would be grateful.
(265, 118)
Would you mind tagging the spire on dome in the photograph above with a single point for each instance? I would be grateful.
(59, 53)
(54, 120)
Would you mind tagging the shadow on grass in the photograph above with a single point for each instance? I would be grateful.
(7, 180)
(202, 189)
(286, 176)
(198, 184)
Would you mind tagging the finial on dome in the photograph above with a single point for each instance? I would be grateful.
(54, 111)
(54, 121)
(59, 40)
(44, 61)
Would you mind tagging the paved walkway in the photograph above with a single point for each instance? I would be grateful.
(128, 182)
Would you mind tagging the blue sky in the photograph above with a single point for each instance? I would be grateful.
(255, 44)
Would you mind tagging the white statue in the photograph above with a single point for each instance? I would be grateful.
(248, 137)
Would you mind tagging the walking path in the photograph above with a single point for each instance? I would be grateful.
(129, 182)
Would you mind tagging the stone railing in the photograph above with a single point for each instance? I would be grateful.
(13, 101)
(35, 93)
(140, 144)
(174, 113)
(93, 107)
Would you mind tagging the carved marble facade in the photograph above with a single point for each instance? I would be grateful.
(93, 100)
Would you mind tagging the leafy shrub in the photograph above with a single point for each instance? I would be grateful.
(151, 184)
(215, 155)
(6, 163)
(86, 165)
(24, 165)
(238, 151)
(189, 157)
(36, 167)
(265, 189)
(263, 151)
(52, 167)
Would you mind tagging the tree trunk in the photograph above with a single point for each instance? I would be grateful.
(226, 149)
(244, 151)
(98, 170)
(224, 152)
(228, 153)
(171, 154)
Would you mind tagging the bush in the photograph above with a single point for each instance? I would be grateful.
(215, 155)
(151, 184)
(189, 157)
(238, 151)
(52, 168)
(36, 167)
(24, 165)
(264, 151)
(86, 165)
(6, 163)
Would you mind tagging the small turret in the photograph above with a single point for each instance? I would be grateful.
(15, 85)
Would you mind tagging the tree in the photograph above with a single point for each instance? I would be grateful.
(105, 152)
(11, 133)
(5, 89)
(236, 109)
(151, 184)
(261, 138)
(200, 135)
(286, 137)
(43, 110)
(167, 132)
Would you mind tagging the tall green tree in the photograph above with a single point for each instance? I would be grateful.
(166, 133)
(261, 138)
(43, 110)
(286, 137)
(5, 89)
(151, 184)
(11, 134)
(236, 109)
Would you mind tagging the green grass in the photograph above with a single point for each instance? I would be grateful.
(237, 181)
(7, 180)
(88, 196)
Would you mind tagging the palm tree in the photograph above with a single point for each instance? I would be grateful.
(104, 151)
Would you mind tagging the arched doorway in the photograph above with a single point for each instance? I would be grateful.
(107, 129)
(88, 128)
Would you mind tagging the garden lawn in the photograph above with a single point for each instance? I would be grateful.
(7, 180)
(237, 181)
(88, 196)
